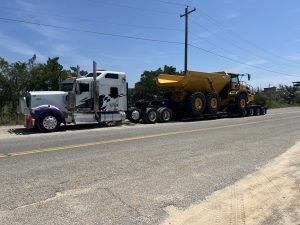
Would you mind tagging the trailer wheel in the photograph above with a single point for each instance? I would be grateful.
(150, 115)
(134, 115)
(244, 113)
(263, 111)
(257, 111)
(213, 102)
(164, 114)
(48, 122)
(241, 103)
(251, 111)
(195, 104)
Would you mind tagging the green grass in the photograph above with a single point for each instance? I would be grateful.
(7, 117)
(279, 104)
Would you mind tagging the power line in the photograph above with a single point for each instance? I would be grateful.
(92, 21)
(143, 39)
(170, 3)
(91, 32)
(133, 7)
(217, 23)
(217, 46)
(234, 44)
(226, 40)
(242, 63)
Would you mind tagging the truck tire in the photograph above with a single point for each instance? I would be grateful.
(164, 114)
(241, 103)
(213, 103)
(134, 115)
(263, 111)
(48, 122)
(195, 104)
(150, 115)
(257, 111)
(251, 111)
(244, 113)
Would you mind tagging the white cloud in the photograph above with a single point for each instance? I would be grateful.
(70, 55)
(294, 57)
(47, 32)
(15, 46)
(54, 42)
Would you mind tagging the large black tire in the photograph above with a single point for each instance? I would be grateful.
(263, 111)
(134, 115)
(241, 103)
(258, 111)
(213, 103)
(48, 122)
(251, 111)
(150, 115)
(195, 104)
(164, 114)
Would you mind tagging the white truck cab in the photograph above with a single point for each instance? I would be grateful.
(100, 97)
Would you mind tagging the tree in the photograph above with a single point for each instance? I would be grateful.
(73, 72)
(5, 91)
(288, 93)
(146, 88)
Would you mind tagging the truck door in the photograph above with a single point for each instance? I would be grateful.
(112, 92)
(83, 95)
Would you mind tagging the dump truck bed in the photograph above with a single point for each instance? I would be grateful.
(195, 81)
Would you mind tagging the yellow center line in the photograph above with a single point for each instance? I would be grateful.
(89, 144)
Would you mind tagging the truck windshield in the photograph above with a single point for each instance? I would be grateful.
(235, 79)
(67, 85)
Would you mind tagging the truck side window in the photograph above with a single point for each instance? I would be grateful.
(84, 87)
(114, 92)
(112, 76)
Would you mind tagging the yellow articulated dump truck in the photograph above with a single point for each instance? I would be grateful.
(198, 95)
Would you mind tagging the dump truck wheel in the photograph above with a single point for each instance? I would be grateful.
(195, 104)
(150, 115)
(48, 122)
(134, 115)
(241, 103)
(164, 114)
(213, 102)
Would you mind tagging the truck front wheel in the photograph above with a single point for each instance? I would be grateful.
(241, 103)
(48, 122)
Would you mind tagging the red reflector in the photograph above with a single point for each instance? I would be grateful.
(28, 120)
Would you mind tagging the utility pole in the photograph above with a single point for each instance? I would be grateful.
(186, 15)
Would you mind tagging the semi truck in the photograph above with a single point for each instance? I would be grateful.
(102, 97)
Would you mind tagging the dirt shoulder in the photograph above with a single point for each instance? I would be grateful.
(271, 195)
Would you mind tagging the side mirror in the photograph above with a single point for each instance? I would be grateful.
(249, 76)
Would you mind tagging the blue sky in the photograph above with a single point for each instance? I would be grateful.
(258, 33)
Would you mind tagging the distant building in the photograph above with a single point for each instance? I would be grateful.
(270, 90)
(296, 84)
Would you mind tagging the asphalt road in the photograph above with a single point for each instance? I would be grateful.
(128, 174)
